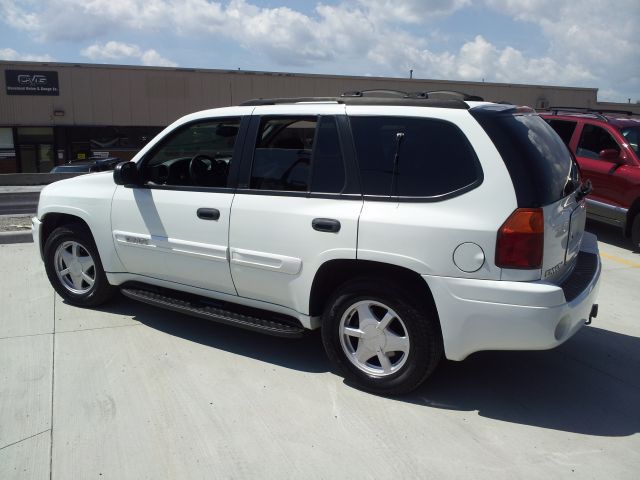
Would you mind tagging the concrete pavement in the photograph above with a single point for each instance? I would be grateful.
(128, 392)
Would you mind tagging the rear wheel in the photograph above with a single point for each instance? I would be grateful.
(379, 339)
(74, 269)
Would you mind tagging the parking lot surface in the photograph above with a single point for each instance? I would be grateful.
(131, 392)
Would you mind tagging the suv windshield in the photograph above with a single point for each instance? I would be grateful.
(632, 135)
(540, 165)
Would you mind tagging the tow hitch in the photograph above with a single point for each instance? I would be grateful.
(593, 314)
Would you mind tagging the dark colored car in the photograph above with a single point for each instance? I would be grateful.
(93, 164)
(605, 143)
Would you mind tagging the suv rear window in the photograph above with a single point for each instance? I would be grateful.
(539, 163)
(413, 157)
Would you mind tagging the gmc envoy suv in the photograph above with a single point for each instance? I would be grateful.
(405, 227)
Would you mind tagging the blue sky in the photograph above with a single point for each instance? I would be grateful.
(592, 43)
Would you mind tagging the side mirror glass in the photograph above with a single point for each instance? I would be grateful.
(126, 173)
(610, 155)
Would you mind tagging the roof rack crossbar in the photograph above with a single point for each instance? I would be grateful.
(433, 94)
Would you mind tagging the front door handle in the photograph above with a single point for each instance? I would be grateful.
(326, 225)
(208, 213)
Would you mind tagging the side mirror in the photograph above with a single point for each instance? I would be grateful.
(610, 155)
(126, 173)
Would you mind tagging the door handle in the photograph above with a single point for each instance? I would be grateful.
(208, 213)
(326, 225)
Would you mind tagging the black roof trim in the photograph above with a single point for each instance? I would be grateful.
(364, 100)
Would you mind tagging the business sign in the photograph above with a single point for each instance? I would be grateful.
(29, 82)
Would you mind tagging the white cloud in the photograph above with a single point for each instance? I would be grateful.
(11, 54)
(410, 11)
(114, 51)
(593, 36)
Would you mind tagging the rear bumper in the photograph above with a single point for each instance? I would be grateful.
(480, 315)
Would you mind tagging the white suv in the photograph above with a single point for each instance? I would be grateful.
(405, 227)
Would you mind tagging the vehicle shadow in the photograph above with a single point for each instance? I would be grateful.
(305, 354)
(590, 385)
(610, 235)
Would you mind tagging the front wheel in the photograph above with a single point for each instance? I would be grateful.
(74, 269)
(379, 339)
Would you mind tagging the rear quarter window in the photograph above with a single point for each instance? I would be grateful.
(410, 157)
(539, 163)
(563, 128)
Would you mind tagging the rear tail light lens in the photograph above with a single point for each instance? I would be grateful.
(521, 240)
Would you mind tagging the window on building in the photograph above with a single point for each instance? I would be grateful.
(35, 148)
(7, 151)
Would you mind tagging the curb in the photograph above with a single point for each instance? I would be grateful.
(24, 179)
(16, 236)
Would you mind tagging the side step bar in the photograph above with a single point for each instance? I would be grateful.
(193, 308)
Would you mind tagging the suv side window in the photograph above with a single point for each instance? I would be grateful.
(564, 129)
(298, 154)
(197, 154)
(593, 140)
(427, 157)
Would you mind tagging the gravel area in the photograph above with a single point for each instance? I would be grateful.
(10, 223)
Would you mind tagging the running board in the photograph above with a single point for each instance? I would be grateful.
(193, 308)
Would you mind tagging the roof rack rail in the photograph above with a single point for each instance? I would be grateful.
(596, 112)
(277, 101)
(367, 97)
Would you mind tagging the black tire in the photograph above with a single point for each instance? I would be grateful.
(416, 321)
(82, 294)
(635, 232)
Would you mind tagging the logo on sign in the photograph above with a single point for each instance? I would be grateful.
(32, 80)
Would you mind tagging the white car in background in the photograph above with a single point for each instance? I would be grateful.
(407, 228)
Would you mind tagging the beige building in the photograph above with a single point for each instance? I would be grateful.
(51, 113)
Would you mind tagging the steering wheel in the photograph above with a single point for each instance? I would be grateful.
(200, 169)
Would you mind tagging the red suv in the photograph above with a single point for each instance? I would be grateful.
(605, 143)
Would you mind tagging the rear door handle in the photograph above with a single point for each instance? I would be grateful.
(208, 213)
(326, 225)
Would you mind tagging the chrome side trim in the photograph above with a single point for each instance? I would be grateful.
(266, 261)
(605, 212)
(195, 249)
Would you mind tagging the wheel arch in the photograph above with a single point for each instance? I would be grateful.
(53, 220)
(334, 273)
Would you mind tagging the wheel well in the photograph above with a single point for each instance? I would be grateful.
(336, 272)
(51, 221)
(633, 211)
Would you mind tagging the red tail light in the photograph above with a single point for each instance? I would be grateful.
(521, 239)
